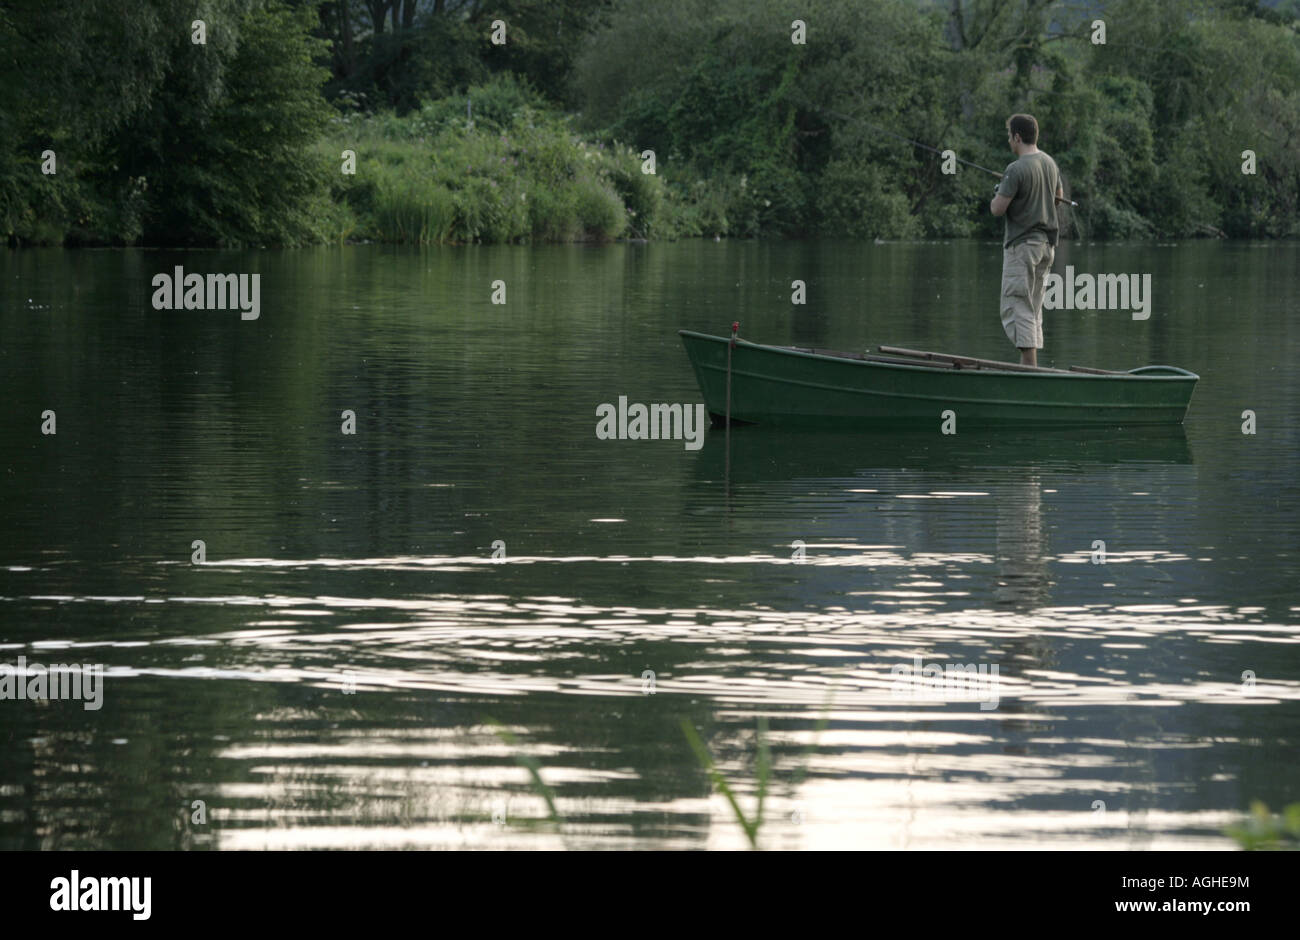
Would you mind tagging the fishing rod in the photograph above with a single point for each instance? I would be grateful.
(917, 143)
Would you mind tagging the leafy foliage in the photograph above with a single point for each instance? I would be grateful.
(1263, 830)
(167, 141)
(1148, 129)
(234, 142)
(514, 171)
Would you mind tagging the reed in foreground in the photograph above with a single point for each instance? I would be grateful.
(763, 770)
(1264, 830)
(532, 766)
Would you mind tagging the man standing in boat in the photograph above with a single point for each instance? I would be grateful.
(1027, 198)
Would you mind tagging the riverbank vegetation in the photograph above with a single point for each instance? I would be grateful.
(498, 164)
(120, 128)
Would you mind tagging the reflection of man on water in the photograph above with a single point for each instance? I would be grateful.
(1022, 580)
(1027, 198)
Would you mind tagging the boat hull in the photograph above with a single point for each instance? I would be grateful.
(785, 386)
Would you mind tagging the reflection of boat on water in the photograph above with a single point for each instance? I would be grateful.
(786, 385)
(835, 483)
(789, 453)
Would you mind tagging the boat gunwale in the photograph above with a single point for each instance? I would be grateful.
(1184, 375)
(1137, 407)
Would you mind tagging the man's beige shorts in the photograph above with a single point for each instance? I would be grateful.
(1024, 276)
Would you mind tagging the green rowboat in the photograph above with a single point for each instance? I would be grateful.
(791, 385)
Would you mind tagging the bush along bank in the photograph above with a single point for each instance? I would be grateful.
(493, 165)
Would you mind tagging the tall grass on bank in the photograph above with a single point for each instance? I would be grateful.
(494, 165)
(410, 209)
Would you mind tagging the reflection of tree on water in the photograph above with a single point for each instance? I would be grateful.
(1022, 570)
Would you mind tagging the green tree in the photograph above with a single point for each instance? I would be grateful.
(224, 147)
(73, 74)
(399, 53)
(158, 137)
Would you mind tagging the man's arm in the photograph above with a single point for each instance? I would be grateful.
(1005, 192)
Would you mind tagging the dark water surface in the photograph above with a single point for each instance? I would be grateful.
(1122, 718)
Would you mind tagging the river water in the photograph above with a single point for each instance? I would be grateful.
(331, 675)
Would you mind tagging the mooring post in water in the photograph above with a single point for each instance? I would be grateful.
(731, 344)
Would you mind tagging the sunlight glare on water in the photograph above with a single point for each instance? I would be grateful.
(329, 676)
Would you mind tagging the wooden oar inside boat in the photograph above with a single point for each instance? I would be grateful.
(965, 360)
(988, 363)
(868, 357)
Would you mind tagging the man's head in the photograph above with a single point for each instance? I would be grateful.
(1022, 132)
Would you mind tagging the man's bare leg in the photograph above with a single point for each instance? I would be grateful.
(1029, 356)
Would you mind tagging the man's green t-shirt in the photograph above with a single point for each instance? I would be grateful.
(1031, 183)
